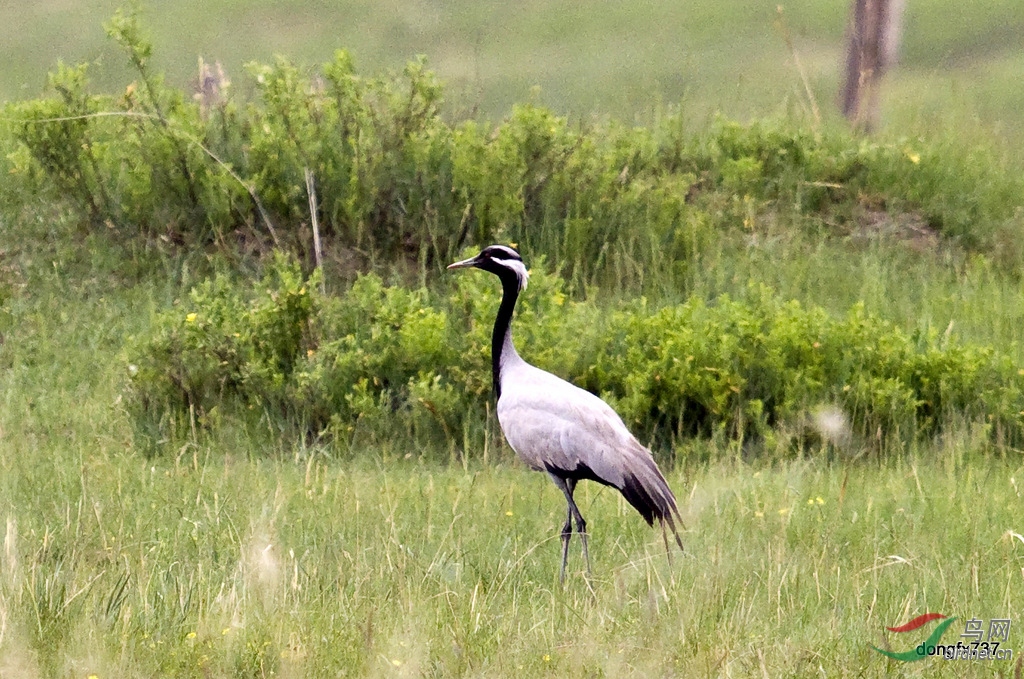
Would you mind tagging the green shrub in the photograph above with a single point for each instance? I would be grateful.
(746, 368)
(385, 361)
(372, 362)
(616, 206)
(227, 348)
(64, 149)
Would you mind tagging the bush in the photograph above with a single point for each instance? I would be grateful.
(375, 361)
(615, 205)
(229, 347)
(383, 361)
(764, 366)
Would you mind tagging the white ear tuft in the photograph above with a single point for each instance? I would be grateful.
(521, 273)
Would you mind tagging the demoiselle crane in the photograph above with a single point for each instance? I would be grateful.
(558, 428)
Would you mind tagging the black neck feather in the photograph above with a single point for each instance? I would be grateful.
(501, 338)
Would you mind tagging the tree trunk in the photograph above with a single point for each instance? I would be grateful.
(873, 39)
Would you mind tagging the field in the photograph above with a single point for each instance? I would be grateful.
(209, 561)
(238, 547)
(709, 57)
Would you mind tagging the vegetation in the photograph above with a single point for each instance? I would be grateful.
(224, 455)
(612, 204)
(379, 359)
(710, 57)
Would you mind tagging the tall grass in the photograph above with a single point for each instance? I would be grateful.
(215, 565)
(244, 554)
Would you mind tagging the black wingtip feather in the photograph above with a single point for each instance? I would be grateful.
(653, 503)
(653, 500)
(640, 499)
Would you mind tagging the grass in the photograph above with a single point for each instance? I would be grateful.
(243, 553)
(213, 564)
(239, 554)
(709, 57)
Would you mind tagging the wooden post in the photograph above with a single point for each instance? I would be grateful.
(872, 43)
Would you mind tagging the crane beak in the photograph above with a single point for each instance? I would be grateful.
(464, 264)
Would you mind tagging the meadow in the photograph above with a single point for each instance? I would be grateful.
(229, 540)
(214, 559)
(958, 61)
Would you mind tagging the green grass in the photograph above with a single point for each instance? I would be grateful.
(239, 554)
(217, 565)
(710, 57)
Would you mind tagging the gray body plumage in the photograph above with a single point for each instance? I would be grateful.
(556, 427)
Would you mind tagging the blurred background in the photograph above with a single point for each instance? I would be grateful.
(960, 66)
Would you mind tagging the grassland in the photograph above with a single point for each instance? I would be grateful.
(236, 553)
(219, 566)
(709, 57)
(239, 551)
(215, 561)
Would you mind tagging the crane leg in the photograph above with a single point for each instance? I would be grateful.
(568, 486)
(566, 536)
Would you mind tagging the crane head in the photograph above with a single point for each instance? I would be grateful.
(500, 260)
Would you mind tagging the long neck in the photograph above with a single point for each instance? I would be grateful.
(501, 340)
